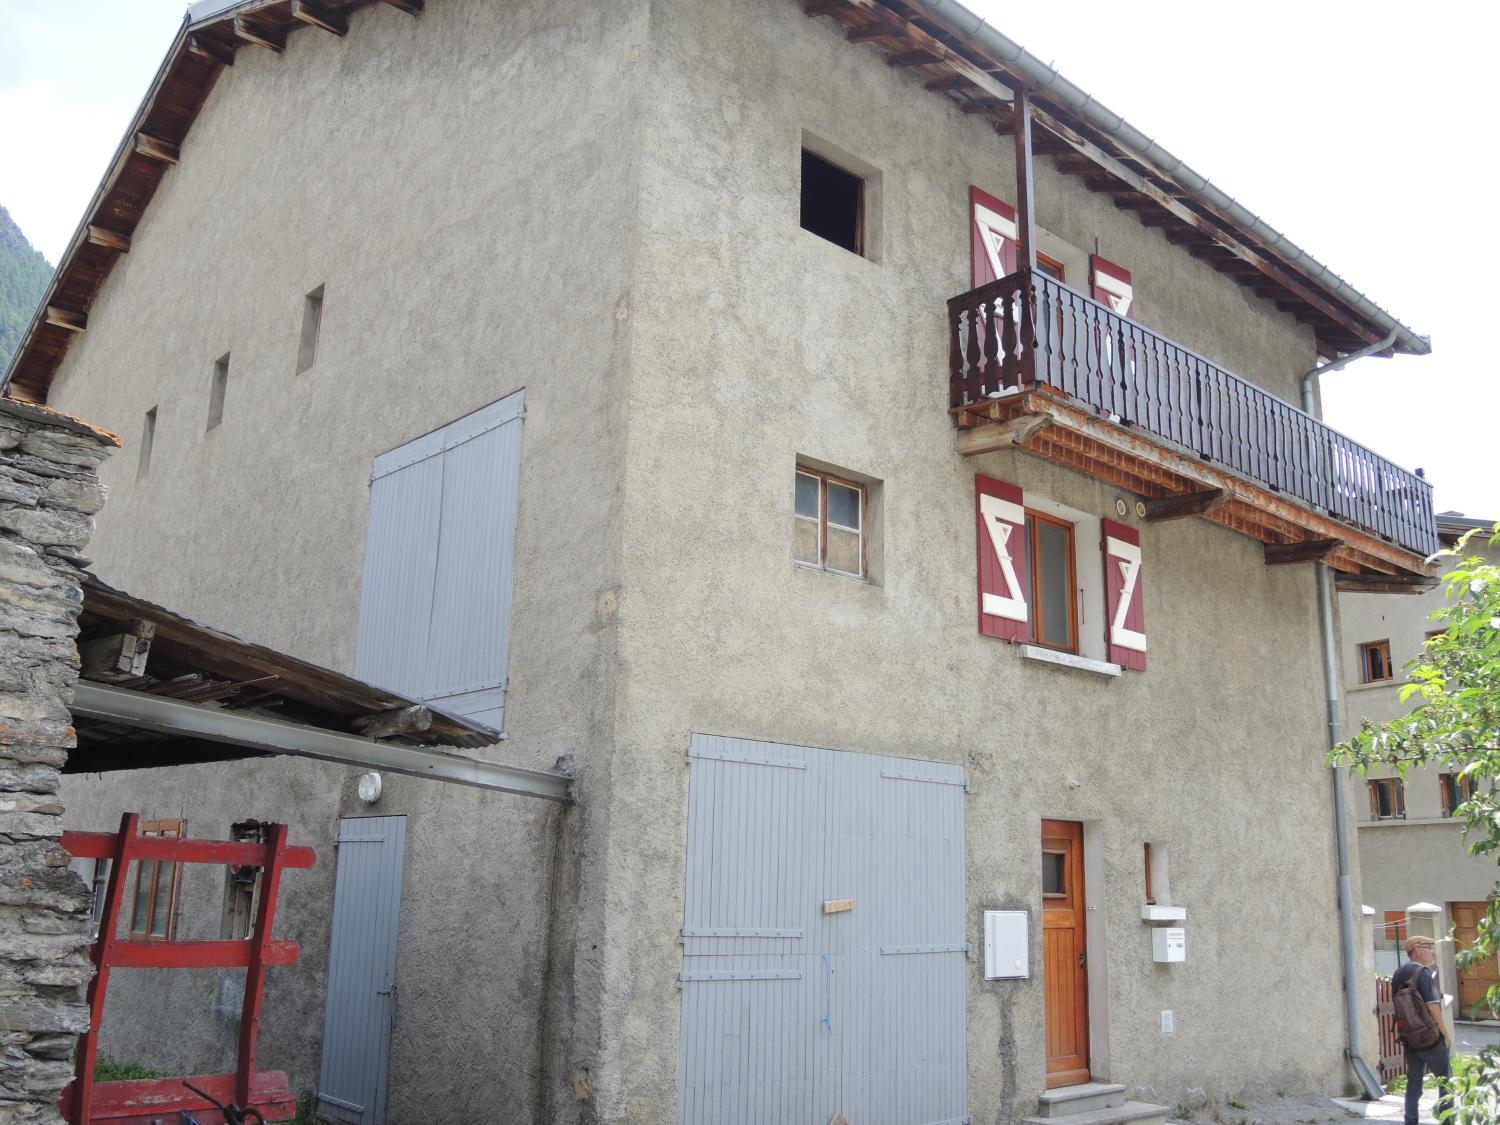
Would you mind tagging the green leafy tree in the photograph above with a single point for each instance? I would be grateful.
(1456, 727)
(24, 274)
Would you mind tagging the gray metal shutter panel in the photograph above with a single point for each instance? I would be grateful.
(435, 610)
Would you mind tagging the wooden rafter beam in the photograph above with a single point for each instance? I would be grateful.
(108, 239)
(917, 57)
(1383, 583)
(259, 33)
(154, 148)
(898, 28)
(1202, 503)
(1001, 435)
(69, 319)
(318, 14)
(815, 8)
(410, 7)
(211, 49)
(867, 34)
(1310, 550)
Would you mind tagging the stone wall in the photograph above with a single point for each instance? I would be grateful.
(49, 491)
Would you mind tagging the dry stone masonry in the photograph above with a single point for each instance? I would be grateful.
(49, 492)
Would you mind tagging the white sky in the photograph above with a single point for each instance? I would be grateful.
(1357, 128)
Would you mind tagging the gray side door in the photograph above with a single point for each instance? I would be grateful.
(360, 1007)
(794, 1010)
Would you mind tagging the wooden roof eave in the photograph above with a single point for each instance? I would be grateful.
(951, 64)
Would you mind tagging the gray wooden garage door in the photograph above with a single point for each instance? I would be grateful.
(792, 1014)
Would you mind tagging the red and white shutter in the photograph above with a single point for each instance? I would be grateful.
(1109, 284)
(1001, 515)
(992, 238)
(1124, 599)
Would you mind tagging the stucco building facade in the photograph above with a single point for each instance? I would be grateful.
(594, 209)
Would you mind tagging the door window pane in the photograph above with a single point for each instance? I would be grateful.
(1054, 866)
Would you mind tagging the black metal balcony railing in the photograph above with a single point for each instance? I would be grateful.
(1028, 328)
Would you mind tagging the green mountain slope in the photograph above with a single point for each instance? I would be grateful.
(24, 274)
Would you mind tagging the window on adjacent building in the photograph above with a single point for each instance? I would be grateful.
(830, 523)
(1054, 588)
(1455, 790)
(1387, 798)
(833, 202)
(216, 390)
(1394, 929)
(312, 321)
(148, 439)
(1374, 662)
(153, 907)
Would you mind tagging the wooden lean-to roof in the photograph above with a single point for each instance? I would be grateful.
(951, 50)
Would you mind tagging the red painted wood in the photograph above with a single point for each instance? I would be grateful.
(1098, 265)
(1114, 586)
(980, 270)
(101, 845)
(199, 954)
(160, 1099)
(104, 944)
(992, 577)
(255, 974)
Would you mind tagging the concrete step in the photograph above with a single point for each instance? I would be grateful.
(1136, 1113)
(1067, 1101)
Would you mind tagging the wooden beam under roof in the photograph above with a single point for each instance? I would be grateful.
(261, 34)
(318, 14)
(154, 148)
(1201, 503)
(70, 319)
(212, 49)
(1309, 550)
(410, 7)
(108, 239)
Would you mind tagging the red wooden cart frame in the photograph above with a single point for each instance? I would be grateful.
(86, 1102)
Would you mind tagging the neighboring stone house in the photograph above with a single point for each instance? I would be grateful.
(1411, 849)
(591, 370)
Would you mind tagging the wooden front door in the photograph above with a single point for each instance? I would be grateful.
(1475, 981)
(1064, 953)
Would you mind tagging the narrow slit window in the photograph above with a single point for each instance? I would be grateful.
(148, 439)
(1374, 662)
(833, 203)
(312, 321)
(153, 911)
(1150, 894)
(1054, 589)
(216, 391)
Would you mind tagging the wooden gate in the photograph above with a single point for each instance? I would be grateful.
(1392, 1053)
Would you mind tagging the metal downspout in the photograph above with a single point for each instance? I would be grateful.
(1362, 1071)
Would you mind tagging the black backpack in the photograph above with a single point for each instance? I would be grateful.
(1414, 1022)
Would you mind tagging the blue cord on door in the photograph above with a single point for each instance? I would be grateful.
(827, 1020)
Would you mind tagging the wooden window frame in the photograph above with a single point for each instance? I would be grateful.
(1150, 895)
(1455, 790)
(1065, 891)
(169, 828)
(824, 480)
(1398, 802)
(1033, 577)
(1051, 267)
(1365, 651)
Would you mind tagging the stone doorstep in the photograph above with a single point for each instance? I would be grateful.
(1138, 1112)
(1068, 1101)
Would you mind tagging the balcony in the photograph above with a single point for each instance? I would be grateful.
(1036, 365)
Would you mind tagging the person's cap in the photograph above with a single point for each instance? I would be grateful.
(1419, 939)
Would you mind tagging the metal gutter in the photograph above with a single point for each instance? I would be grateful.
(1046, 79)
(241, 728)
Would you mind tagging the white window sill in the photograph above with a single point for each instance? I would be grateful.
(1164, 914)
(1376, 685)
(1069, 660)
(1396, 821)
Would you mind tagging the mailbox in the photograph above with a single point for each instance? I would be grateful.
(1169, 944)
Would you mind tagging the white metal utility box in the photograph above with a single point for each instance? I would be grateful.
(1007, 954)
(1169, 944)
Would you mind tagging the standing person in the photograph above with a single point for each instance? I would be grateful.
(1423, 954)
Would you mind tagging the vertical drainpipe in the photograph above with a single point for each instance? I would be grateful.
(1362, 1071)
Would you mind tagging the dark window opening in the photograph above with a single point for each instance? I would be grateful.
(1387, 799)
(312, 322)
(833, 203)
(216, 391)
(1374, 662)
(1054, 874)
(1049, 562)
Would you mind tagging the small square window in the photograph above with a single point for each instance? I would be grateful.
(830, 523)
(153, 910)
(1054, 587)
(1374, 662)
(833, 203)
(1387, 798)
